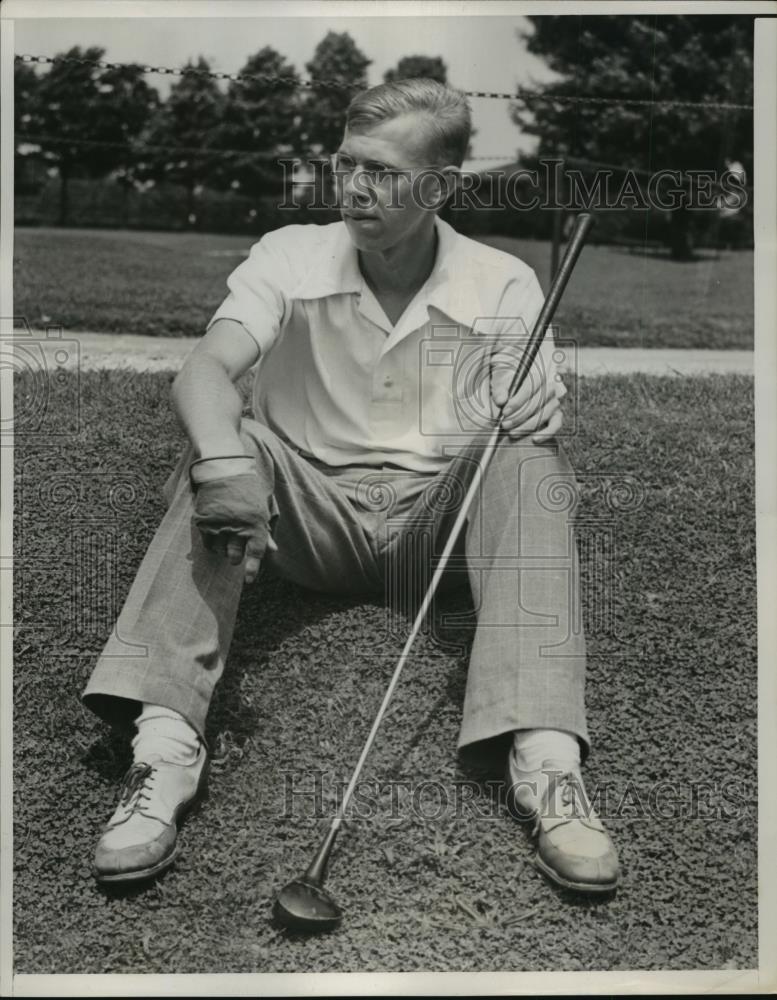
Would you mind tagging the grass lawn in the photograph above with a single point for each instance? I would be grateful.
(170, 283)
(671, 700)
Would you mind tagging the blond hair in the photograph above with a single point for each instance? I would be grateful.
(446, 109)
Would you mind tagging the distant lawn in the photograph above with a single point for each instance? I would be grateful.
(666, 525)
(171, 283)
(621, 299)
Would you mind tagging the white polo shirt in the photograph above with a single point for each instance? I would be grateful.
(339, 382)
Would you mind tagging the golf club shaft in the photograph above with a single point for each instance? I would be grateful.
(582, 228)
(574, 247)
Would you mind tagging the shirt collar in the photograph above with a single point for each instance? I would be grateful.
(451, 288)
(336, 268)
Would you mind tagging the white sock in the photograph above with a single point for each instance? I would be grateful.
(163, 732)
(534, 756)
(534, 747)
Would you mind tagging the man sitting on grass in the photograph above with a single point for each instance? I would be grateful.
(363, 328)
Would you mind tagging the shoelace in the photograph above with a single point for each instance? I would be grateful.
(134, 784)
(572, 798)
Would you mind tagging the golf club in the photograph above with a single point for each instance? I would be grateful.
(303, 904)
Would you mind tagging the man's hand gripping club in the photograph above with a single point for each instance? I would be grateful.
(535, 408)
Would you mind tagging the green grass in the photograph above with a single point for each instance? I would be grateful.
(170, 284)
(671, 699)
(619, 299)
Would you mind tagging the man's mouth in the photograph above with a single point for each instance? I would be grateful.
(358, 216)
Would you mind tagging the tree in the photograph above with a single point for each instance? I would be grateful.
(337, 59)
(431, 67)
(86, 118)
(702, 58)
(263, 119)
(25, 84)
(187, 128)
(126, 109)
(26, 124)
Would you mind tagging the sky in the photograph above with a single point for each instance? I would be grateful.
(481, 52)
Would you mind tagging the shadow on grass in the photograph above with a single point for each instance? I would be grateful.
(265, 624)
(121, 891)
(268, 620)
(109, 756)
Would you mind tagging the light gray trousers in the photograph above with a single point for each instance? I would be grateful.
(371, 530)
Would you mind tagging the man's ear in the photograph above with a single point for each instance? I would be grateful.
(452, 176)
(444, 180)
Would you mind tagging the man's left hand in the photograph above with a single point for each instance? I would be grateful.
(536, 408)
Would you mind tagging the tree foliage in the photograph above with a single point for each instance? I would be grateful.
(89, 121)
(336, 58)
(409, 67)
(183, 136)
(261, 120)
(26, 125)
(85, 118)
(700, 58)
(25, 84)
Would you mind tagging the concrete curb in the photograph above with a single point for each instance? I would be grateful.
(96, 351)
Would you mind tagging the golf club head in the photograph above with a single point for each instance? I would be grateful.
(303, 905)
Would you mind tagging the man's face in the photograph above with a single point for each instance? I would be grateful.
(383, 192)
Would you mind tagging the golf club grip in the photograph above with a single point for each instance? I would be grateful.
(583, 227)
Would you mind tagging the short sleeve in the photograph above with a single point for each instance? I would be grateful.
(258, 291)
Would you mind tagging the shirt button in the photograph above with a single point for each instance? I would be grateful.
(388, 381)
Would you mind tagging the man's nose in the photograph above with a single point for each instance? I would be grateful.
(356, 189)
